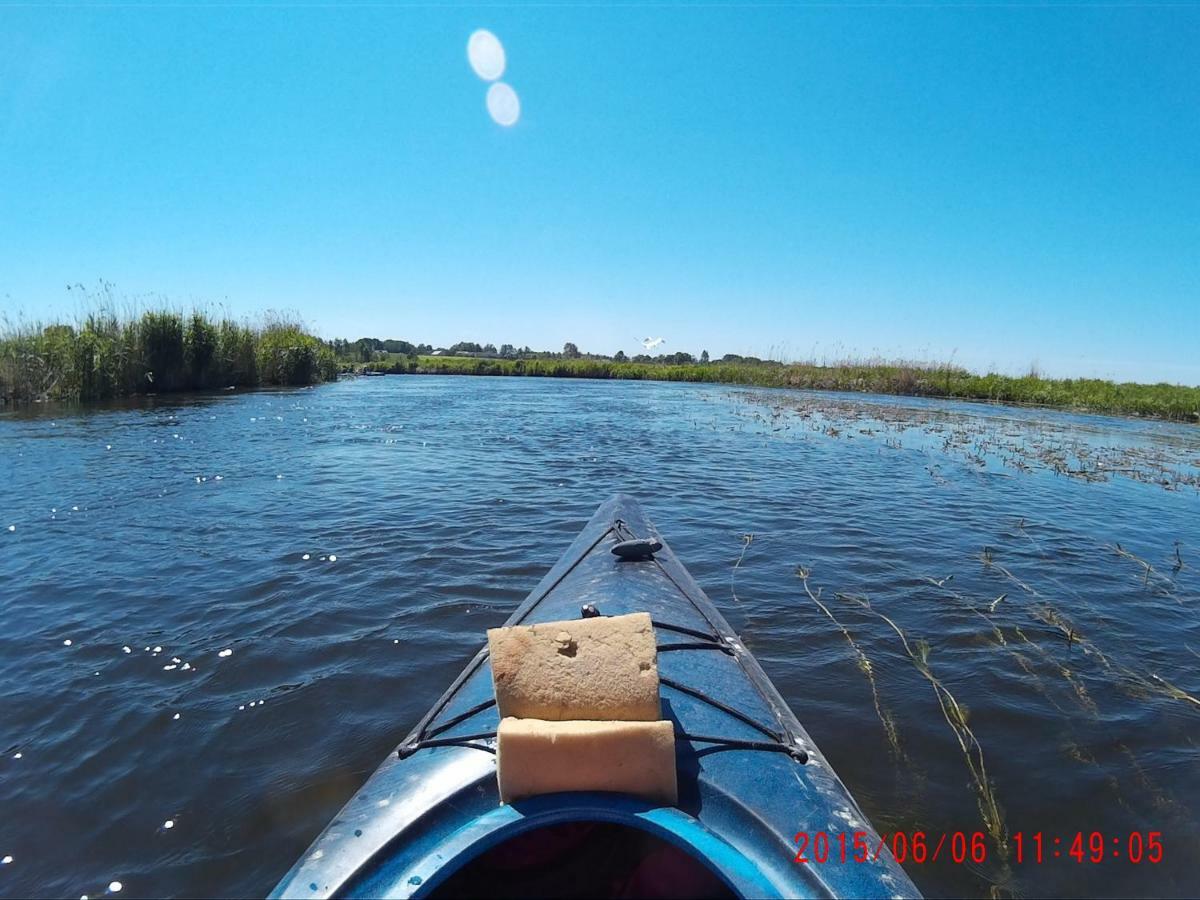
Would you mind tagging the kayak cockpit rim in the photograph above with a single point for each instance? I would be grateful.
(739, 875)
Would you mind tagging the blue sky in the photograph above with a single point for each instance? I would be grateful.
(1003, 185)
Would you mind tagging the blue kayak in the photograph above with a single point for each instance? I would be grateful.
(429, 822)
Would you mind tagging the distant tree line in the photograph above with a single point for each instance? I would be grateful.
(371, 349)
(375, 350)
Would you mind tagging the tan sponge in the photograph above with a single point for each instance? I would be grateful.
(539, 757)
(604, 668)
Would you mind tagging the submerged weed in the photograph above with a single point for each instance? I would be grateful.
(861, 660)
(956, 716)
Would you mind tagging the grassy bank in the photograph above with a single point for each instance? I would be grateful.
(105, 355)
(1163, 401)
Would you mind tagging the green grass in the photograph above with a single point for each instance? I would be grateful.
(1164, 401)
(388, 363)
(106, 355)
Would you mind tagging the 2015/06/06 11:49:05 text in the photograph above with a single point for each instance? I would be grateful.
(962, 847)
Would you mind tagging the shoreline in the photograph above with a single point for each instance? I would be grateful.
(467, 368)
(108, 356)
(1162, 402)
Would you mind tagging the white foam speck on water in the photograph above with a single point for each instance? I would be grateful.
(147, 649)
(170, 823)
(332, 558)
(67, 642)
(114, 887)
(53, 509)
(185, 667)
(127, 649)
(279, 478)
(6, 861)
(176, 659)
(383, 803)
(218, 478)
(12, 527)
(95, 673)
(306, 556)
(226, 652)
(170, 668)
(243, 706)
(253, 419)
(175, 718)
(18, 755)
(74, 509)
(158, 649)
(395, 640)
(108, 446)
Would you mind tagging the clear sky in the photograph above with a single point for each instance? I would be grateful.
(1003, 184)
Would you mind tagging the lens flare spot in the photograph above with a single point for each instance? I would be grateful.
(485, 53)
(503, 105)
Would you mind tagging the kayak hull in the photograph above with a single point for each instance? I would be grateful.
(750, 777)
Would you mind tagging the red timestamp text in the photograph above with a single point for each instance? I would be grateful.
(960, 847)
(915, 846)
(1088, 847)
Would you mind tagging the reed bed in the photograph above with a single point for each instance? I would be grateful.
(1164, 401)
(106, 354)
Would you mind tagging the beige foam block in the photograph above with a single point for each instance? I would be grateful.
(539, 757)
(604, 668)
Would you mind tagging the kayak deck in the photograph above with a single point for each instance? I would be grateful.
(749, 776)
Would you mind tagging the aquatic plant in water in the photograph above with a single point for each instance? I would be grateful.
(861, 660)
(956, 717)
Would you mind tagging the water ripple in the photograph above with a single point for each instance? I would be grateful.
(428, 507)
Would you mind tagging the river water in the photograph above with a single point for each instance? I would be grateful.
(350, 543)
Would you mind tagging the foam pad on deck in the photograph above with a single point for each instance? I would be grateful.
(603, 668)
(539, 757)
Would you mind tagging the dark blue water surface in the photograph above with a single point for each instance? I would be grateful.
(182, 525)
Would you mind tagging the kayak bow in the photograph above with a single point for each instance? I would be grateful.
(429, 821)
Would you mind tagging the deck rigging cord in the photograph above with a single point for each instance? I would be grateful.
(426, 735)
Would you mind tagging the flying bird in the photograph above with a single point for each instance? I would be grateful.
(651, 343)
